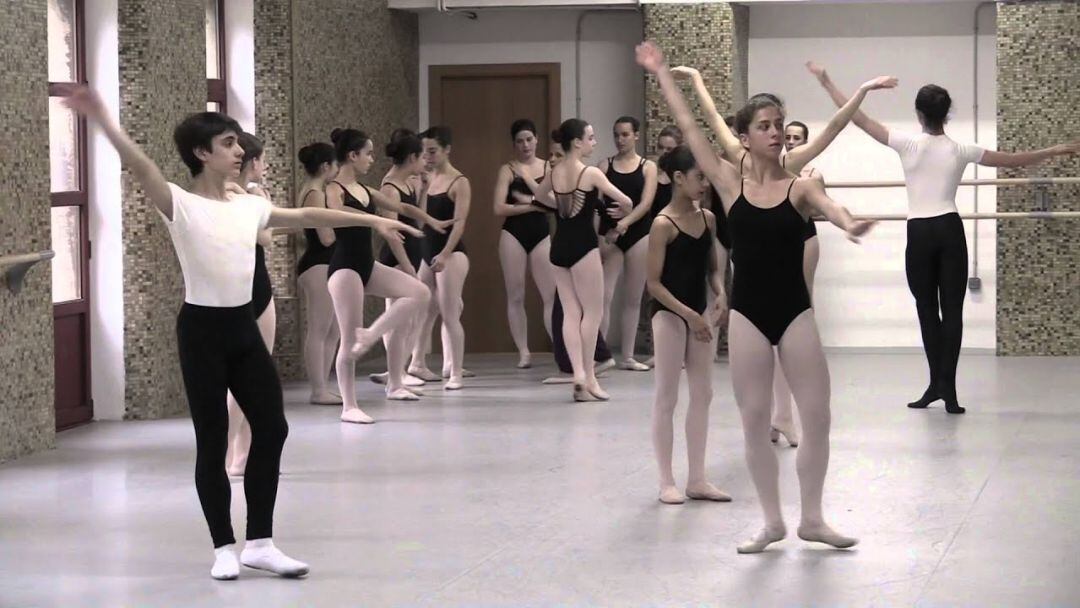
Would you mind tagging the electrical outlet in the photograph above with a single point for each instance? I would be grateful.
(975, 284)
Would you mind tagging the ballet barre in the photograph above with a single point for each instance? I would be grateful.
(1012, 181)
(14, 267)
(1003, 215)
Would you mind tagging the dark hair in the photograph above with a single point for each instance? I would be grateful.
(198, 131)
(315, 155)
(403, 144)
(630, 120)
(934, 103)
(805, 129)
(673, 132)
(522, 124)
(346, 141)
(253, 148)
(746, 114)
(679, 159)
(730, 121)
(439, 134)
(568, 131)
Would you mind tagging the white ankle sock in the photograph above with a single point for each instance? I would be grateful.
(226, 567)
(261, 554)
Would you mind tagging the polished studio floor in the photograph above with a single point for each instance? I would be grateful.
(506, 494)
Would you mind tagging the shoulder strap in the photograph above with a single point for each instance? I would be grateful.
(577, 186)
(303, 199)
(742, 163)
(790, 186)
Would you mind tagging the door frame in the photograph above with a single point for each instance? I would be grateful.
(436, 74)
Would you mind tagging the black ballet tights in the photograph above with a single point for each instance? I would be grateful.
(937, 271)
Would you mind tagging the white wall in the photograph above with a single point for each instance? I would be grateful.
(612, 85)
(861, 294)
(105, 197)
(240, 61)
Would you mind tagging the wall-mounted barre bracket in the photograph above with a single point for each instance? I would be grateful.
(14, 267)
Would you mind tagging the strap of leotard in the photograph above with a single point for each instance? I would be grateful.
(783, 161)
(398, 188)
(641, 164)
(790, 186)
(742, 163)
(303, 199)
(669, 218)
(577, 186)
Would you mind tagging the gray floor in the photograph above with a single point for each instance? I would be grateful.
(506, 495)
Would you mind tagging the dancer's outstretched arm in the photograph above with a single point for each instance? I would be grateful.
(811, 193)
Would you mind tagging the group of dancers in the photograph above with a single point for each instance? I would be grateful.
(669, 227)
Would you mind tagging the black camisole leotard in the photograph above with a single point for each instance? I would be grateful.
(574, 236)
(441, 207)
(767, 243)
(530, 229)
(632, 185)
(352, 247)
(414, 247)
(686, 268)
(315, 253)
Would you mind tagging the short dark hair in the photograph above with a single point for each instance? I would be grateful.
(197, 132)
(673, 132)
(403, 144)
(805, 129)
(934, 103)
(439, 134)
(680, 159)
(347, 141)
(253, 148)
(568, 131)
(315, 155)
(522, 124)
(746, 114)
(634, 123)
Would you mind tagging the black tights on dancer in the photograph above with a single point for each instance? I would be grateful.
(221, 348)
(937, 273)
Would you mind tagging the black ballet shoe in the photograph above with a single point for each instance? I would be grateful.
(952, 407)
(930, 396)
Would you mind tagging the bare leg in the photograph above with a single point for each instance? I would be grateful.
(321, 334)
(633, 287)
(669, 335)
(751, 377)
(542, 273)
(514, 261)
(782, 417)
(409, 298)
(571, 325)
(239, 430)
(611, 258)
(804, 365)
(588, 285)
(347, 290)
(699, 364)
(449, 285)
(422, 343)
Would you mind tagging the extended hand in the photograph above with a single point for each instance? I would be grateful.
(818, 71)
(649, 56)
(859, 228)
(87, 102)
(700, 328)
(683, 72)
(881, 82)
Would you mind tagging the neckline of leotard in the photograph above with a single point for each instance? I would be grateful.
(410, 192)
(577, 186)
(611, 166)
(679, 228)
(446, 192)
(358, 201)
(787, 198)
(518, 178)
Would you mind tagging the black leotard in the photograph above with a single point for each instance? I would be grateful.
(574, 234)
(632, 185)
(440, 207)
(663, 197)
(414, 247)
(530, 229)
(261, 289)
(315, 253)
(721, 229)
(686, 268)
(352, 248)
(769, 287)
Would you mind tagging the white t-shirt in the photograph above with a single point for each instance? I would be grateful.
(933, 166)
(215, 243)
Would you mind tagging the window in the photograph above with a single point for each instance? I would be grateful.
(216, 91)
(67, 151)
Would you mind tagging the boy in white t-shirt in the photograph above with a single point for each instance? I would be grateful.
(214, 233)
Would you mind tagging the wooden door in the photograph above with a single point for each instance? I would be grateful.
(478, 103)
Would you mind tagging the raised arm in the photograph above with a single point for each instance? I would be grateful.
(650, 57)
(872, 127)
(810, 193)
(310, 217)
(992, 158)
(88, 103)
(801, 156)
(662, 233)
(729, 143)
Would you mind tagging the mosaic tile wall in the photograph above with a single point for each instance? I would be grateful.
(26, 349)
(715, 39)
(1038, 276)
(162, 79)
(368, 79)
